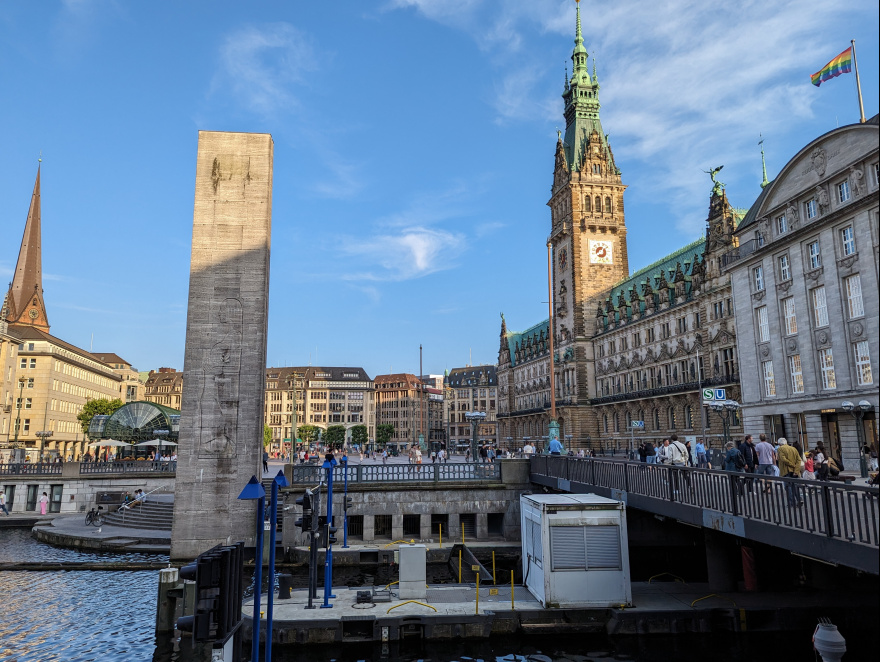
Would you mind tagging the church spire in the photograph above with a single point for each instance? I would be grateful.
(24, 301)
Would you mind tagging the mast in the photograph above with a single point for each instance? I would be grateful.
(858, 83)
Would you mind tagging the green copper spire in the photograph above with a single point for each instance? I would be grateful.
(581, 98)
(764, 182)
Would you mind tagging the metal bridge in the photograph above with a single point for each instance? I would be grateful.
(836, 524)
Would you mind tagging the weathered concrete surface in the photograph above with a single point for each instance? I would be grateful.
(221, 426)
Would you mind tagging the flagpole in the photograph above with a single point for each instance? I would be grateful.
(858, 83)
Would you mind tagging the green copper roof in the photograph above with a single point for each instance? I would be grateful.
(537, 333)
(666, 265)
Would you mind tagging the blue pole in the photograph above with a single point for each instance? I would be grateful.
(328, 557)
(345, 502)
(273, 518)
(258, 578)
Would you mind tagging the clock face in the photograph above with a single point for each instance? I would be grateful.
(601, 252)
(32, 313)
(563, 258)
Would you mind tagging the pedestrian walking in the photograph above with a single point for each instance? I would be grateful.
(650, 453)
(700, 450)
(265, 462)
(44, 503)
(734, 461)
(790, 467)
(3, 502)
(766, 459)
(809, 472)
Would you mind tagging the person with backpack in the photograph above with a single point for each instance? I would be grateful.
(734, 461)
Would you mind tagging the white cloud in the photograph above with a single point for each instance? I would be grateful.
(260, 65)
(410, 253)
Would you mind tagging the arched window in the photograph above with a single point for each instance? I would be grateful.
(670, 418)
(688, 418)
(587, 206)
(617, 422)
(598, 204)
(605, 423)
(607, 205)
(656, 419)
(628, 420)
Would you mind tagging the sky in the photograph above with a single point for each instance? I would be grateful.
(414, 150)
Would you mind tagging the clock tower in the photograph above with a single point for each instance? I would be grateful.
(588, 233)
(24, 301)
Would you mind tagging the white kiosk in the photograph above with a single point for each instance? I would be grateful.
(574, 550)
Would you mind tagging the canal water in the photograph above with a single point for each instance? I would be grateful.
(104, 616)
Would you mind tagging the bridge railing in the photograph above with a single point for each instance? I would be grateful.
(127, 467)
(848, 512)
(452, 472)
(30, 469)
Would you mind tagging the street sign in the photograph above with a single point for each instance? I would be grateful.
(714, 394)
(637, 425)
(475, 568)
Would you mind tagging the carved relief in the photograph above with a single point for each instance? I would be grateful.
(822, 338)
(822, 199)
(791, 345)
(218, 405)
(757, 296)
(857, 329)
(848, 261)
(765, 351)
(791, 215)
(784, 285)
(814, 274)
(819, 161)
(856, 180)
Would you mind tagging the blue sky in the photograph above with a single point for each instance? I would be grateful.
(414, 145)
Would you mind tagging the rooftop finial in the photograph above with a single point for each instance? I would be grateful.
(764, 182)
(578, 38)
(40, 160)
(565, 86)
(595, 75)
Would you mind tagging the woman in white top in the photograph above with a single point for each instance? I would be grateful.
(44, 503)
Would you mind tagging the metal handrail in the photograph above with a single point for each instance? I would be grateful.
(445, 472)
(832, 510)
(30, 468)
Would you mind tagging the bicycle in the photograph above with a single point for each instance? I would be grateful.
(95, 517)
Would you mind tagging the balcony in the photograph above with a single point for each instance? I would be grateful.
(669, 389)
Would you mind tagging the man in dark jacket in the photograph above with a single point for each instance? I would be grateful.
(750, 455)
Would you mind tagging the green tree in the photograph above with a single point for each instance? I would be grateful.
(267, 436)
(100, 406)
(359, 435)
(334, 436)
(308, 433)
(384, 432)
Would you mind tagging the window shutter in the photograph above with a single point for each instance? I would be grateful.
(603, 547)
(567, 548)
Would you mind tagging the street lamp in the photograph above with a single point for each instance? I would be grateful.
(858, 413)
(724, 408)
(474, 418)
(21, 381)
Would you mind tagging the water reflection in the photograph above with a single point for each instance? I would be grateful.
(19, 545)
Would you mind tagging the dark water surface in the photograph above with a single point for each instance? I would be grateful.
(99, 616)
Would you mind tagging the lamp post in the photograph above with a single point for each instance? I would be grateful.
(474, 418)
(858, 413)
(724, 408)
(277, 482)
(254, 491)
(21, 381)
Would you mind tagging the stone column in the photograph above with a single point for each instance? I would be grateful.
(221, 425)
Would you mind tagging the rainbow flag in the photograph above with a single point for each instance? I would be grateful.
(842, 64)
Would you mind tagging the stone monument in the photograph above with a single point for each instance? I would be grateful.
(221, 422)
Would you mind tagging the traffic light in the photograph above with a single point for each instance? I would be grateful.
(305, 522)
(331, 534)
(346, 502)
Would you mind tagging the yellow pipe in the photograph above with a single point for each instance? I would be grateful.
(408, 602)
(512, 608)
(493, 568)
(441, 535)
(478, 594)
(390, 585)
(713, 595)
(676, 577)
(459, 566)
(397, 542)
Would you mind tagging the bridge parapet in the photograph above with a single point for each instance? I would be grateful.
(452, 472)
(836, 523)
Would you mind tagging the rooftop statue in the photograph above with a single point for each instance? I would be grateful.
(717, 187)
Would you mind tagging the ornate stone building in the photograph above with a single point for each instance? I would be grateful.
(806, 290)
(624, 345)
(472, 388)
